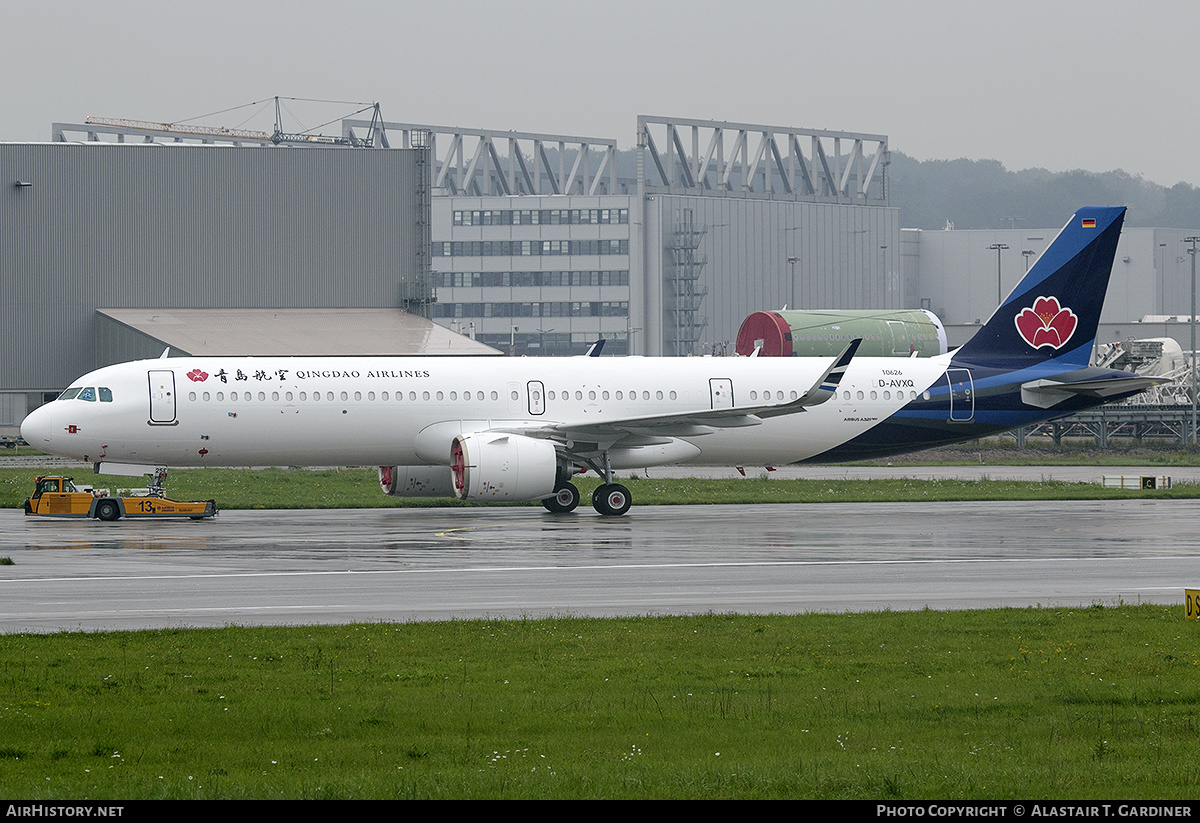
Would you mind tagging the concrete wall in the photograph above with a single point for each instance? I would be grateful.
(147, 226)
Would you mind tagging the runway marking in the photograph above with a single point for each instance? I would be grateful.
(601, 567)
(448, 536)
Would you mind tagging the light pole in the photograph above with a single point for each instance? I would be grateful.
(1028, 255)
(1192, 251)
(792, 260)
(512, 340)
(999, 247)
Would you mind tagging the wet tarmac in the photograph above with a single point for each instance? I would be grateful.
(338, 566)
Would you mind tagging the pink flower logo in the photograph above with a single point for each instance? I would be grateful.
(1047, 323)
(197, 376)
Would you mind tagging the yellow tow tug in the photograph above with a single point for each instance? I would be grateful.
(57, 496)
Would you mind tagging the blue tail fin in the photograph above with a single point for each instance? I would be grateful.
(1053, 312)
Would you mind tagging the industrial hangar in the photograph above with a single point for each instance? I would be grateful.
(540, 242)
(92, 230)
(119, 239)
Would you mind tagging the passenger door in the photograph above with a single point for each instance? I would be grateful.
(162, 397)
(962, 395)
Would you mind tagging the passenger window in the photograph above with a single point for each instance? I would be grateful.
(106, 395)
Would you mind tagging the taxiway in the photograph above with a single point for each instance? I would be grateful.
(337, 566)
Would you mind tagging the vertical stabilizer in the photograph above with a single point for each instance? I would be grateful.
(1052, 314)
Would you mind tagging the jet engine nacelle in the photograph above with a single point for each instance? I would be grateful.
(416, 481)
(495, 466)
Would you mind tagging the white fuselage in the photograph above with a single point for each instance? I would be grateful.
(211, 411)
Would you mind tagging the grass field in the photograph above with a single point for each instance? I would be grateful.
(1032, 703)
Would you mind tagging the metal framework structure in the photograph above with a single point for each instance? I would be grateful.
(1107, 422)
(119, 130)
(840, 167)
(95, 129)
(682, 279)
(489, 162)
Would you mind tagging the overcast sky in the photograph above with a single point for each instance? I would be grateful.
(1096, 85)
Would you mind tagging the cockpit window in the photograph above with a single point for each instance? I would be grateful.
(88, 394)
(70, 394)
(105, 395)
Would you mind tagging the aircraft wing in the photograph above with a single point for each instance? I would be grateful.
(660, 428)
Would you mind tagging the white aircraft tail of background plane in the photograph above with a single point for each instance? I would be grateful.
(488, 428)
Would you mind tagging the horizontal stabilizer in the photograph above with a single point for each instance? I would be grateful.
(1047, 393)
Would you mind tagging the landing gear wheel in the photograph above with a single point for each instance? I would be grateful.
(107, 510)
(611, 499)
(565, 499)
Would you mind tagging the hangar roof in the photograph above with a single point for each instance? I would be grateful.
(296, 331)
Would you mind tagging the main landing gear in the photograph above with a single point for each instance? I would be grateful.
(565, 499)
(609, 499)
